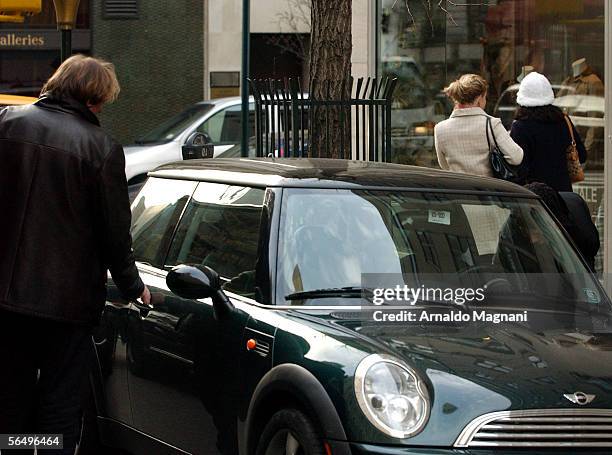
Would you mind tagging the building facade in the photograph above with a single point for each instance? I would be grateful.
(280, 37)
(157, 48)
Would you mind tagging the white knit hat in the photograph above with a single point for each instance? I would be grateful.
(535, 90)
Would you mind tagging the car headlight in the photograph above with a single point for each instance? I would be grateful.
(391, 395)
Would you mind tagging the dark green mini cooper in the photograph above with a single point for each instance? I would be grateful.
(265, 338)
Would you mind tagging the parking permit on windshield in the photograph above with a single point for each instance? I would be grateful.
(439, 217)
(592, 296)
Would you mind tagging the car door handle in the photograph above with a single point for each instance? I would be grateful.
(142, 307)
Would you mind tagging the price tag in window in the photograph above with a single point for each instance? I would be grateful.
(439, 217)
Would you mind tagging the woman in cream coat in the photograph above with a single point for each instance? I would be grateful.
(461, 140)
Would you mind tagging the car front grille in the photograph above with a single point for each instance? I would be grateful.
(540, 428)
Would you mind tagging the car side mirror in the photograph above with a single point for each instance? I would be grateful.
(199, 282)
(198, 145)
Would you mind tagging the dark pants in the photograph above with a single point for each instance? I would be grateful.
(43, 377)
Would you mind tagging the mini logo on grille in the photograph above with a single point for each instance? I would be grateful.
(579, 398)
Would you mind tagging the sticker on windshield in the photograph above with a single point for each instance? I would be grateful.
(439, 217)
(591, 295)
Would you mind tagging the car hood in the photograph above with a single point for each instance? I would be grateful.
(531, 369)
(140, 159)
(136, 149)
(475, 369)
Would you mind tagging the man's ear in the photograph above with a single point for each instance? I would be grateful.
(95, 108)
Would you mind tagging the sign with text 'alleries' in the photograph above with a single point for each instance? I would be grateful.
(41, 39)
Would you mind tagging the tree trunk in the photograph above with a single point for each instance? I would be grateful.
(330, 71)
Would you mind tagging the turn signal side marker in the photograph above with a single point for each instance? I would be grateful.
(327, 448)
(251, 344)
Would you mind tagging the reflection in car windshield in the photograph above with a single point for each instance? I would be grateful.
(329, 238)
(174, 126)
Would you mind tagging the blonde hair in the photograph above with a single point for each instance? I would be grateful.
(87, 79)
(466, 89)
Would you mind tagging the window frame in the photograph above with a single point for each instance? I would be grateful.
(278, 301)
(262, 269)
(160, 257)
(223, 111)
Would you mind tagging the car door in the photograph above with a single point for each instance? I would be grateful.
(225, 127)
(155, 214)
(185, 381)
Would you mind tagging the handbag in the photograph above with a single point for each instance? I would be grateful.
(501, 168)
(576, 174)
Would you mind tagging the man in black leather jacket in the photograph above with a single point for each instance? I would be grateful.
(65, 222)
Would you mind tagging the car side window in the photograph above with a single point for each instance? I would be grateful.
(155, 214)
(220, 229)
(225, 126)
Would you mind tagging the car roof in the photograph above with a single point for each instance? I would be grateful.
(222, 103)
(227, 99)
(331, 173)
(234, 100)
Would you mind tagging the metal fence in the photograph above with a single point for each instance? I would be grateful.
(285, 123)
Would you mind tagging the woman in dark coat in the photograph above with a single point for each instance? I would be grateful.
(543, 134)
(573, 214)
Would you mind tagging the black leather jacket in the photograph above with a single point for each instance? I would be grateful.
(65, 213)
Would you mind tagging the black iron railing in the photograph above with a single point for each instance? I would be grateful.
(287, 120)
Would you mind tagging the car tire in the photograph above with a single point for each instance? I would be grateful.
(290, 432)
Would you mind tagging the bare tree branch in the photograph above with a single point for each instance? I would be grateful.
(428, 7)
(294, 19)
(449, 15)
(410, 12)
(487, 3)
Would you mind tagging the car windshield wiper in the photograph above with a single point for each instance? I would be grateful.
(350, 292)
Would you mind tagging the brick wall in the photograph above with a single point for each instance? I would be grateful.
(159, 62)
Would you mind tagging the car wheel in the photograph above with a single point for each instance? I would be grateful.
(290, 432)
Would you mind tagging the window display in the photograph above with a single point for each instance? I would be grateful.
(426, 45)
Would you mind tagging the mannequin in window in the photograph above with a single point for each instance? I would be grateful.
(584, 82)
(525, 70)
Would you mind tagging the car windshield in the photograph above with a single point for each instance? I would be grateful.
(331, 239)
(174, 126)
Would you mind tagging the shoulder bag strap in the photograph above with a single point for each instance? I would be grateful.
(488, 125)
(571, 130)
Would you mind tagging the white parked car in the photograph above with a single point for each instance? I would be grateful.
(220, 119)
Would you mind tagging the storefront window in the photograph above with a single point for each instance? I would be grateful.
(31, 50)
(429, 44)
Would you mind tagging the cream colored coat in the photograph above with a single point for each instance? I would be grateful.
(461, 142)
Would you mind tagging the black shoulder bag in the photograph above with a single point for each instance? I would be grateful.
(499, 165)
